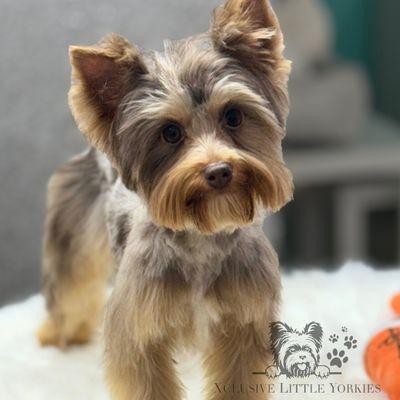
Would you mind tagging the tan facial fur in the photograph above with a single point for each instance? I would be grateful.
(183, 200)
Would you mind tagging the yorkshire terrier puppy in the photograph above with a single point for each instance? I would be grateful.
(186, 160)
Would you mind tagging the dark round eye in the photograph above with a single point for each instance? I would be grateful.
(233, 118)
(172, 133)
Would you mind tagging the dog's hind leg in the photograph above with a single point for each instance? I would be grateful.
(76, 255)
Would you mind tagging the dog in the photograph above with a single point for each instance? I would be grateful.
(185, 160)
(296, 354)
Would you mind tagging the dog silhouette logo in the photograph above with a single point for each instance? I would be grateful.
(296, 353)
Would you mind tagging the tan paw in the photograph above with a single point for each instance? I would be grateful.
(51, 334)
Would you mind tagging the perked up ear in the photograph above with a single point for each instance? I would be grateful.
(314, 329)
(249, 31)
(101, 76)
(279, 331)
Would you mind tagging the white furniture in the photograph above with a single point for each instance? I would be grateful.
(348, 182)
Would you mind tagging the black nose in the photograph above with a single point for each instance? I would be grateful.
(218, 175)
(302, 357)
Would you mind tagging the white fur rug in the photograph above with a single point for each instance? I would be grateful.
(354, 297)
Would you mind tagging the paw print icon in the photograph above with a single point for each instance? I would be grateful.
(333, 338)
(337, 358)
(350, 342)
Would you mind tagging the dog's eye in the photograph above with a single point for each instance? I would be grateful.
(233, 118)
(172, 133)
(307, 349)
(292, 350)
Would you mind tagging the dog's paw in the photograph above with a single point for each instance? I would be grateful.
(322, 371)
(51, 334)
(272, 372)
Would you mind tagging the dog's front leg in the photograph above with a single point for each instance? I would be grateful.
(236, 352)
(142, 320)
(142, 374)
(246, 297)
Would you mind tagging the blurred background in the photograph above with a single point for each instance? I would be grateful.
(343, 141)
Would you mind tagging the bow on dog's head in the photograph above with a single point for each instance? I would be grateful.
(296, 353)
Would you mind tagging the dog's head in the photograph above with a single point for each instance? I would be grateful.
(196, 130)
(296, 353)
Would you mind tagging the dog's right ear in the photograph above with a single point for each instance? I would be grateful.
(101, 76)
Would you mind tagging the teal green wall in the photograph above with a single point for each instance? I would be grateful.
(368, 32)
(352, 18)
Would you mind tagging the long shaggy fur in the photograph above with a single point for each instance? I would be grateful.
(183, 201)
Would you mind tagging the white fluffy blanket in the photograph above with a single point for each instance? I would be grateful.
(354, 297)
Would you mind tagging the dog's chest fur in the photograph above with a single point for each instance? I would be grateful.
(197, 258)
(187, 260)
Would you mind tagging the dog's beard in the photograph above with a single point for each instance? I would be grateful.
(183, 200)
(300, 368)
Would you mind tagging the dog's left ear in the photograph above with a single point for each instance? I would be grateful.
(101, 77)
(314, 329)
(279, 332)
(249, 31)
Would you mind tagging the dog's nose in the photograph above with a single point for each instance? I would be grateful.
(218, 175)
(302, 357)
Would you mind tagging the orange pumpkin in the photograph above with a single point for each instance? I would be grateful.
(382, 357)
